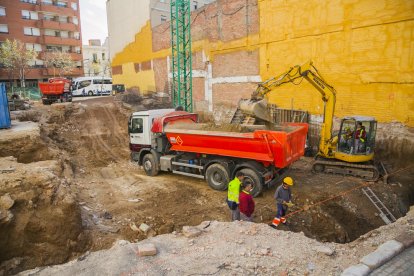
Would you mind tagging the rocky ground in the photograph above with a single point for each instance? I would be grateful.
(68, 187)
(237, 248)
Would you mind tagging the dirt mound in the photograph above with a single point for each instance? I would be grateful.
(42, 224)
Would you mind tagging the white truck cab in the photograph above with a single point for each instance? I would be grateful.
(140, 124)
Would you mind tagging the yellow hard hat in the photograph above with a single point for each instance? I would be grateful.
(288, 180)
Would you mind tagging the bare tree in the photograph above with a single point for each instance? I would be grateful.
(16, 58)
(61, 61)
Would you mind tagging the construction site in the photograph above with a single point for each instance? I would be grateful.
(135, 183)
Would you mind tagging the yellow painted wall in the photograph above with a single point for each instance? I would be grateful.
(364, 48)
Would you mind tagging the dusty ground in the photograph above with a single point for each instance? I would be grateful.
(112, 196)
(238, 248)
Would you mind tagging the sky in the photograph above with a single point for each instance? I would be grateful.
(93, 20)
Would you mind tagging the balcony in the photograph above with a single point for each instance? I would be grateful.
(57, 25)
(55, 9)
(50, 72)
(54, 40)
(74, 56)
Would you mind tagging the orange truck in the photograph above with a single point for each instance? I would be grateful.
(56, 90)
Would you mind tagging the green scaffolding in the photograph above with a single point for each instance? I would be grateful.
(182, 86)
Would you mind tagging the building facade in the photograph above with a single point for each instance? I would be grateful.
(363, 48)
(44, 26)
(160, 10)
(96, 58)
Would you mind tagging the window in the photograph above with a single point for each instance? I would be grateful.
(34, 46)
(30, 15)
(84, 84)
(29, 1)
(195, 4)
(31, 31)
(53, 48)
(64, 34)
(137, 125)
(98, 81)
(74, 6)
(47, 2)
(36, 63)
(2, 11)
(50, 32)
(77, 49)
(163, 18)
(75, 20)
(48, 16)
(4, 28)
(107, 81)
(95, 58)
(76, 35)
(63, 19)
(103, 56)
(61, 4)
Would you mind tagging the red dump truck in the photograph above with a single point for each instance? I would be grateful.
(56, 90)
(174, 141)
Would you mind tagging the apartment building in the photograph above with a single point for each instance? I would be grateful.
(96, 58)
(43, 25)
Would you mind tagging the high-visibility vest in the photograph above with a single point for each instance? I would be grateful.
(234, 190)
(361, 135)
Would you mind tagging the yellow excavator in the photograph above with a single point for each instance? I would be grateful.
(351, 151)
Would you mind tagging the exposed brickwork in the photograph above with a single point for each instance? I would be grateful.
(146, 65)
(161, 37)
(161, 74)
(230, 93)
(198, 89)
(198, 63)
(117, 70)
(240, 63)
(221, 20)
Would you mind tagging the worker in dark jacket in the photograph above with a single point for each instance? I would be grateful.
(246, 203)
(283, 197)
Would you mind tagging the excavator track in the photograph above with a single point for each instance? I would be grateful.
(368, 172)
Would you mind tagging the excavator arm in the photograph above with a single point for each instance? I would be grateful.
(295, 75)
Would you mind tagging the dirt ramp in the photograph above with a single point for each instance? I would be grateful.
(40, 221)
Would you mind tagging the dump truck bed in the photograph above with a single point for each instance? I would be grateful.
(48, 88)
(280, 148)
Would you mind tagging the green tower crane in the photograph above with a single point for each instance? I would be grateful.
(182, 81)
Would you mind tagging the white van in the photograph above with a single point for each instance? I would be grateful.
(91, 86)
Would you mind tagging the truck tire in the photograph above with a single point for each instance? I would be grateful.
(148, 162)
(90, 93)
(217, 177)
(252, 177)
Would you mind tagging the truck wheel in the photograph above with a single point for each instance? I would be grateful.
(90, 93)
(217, 177)
(250, 176)
(148, 162)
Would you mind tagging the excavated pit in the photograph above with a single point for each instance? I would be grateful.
(100, 196)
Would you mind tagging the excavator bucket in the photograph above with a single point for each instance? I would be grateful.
(255, 108)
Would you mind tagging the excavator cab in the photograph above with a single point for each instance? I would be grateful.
(357, 136)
